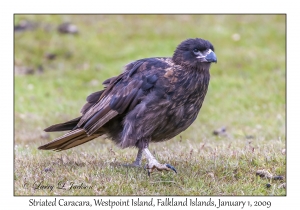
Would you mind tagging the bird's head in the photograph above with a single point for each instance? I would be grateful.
(194, 53)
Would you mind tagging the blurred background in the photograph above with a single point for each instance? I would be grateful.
(60, 59)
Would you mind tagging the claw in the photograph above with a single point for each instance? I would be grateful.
(154, 164)
(171, 167)
(159, 168)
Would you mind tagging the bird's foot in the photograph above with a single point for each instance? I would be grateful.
(154, 164)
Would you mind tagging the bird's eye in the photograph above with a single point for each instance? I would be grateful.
(195, 50)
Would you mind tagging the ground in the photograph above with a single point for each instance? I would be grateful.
(54, 73)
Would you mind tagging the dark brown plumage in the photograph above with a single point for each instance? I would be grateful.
(153, 100)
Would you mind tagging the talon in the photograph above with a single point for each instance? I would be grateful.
(153, 164)
(171, 167)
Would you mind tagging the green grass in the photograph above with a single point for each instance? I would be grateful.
(246, 94)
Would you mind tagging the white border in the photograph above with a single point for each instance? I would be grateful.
(154, 6)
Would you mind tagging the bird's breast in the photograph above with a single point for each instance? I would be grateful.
(187, 87)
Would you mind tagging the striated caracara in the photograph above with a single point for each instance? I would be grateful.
(153, 100)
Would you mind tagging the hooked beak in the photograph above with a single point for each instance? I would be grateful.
(209, 57)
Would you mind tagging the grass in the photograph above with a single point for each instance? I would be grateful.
(246, 95)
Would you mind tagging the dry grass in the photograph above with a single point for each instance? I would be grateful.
(216, 167)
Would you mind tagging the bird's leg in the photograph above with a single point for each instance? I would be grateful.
(154, 164)
(138, 159)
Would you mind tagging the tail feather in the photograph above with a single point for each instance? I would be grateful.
(76, 142)
(69, 140)
(66, 126)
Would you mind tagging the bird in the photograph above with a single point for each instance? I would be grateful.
(154, 99)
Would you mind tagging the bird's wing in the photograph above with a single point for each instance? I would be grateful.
(122, 93)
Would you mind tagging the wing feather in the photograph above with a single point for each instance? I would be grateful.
(69, 125)
(118, 95)
(121, 93)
